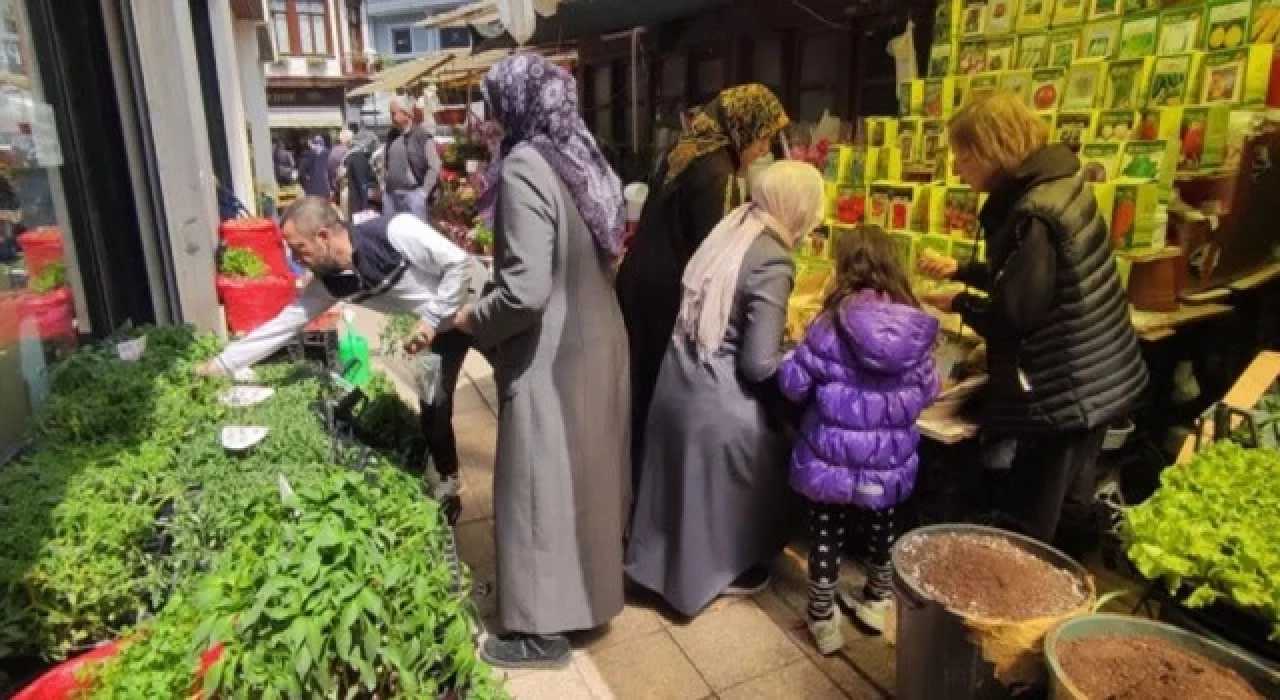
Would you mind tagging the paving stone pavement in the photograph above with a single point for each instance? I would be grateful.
(737, 649)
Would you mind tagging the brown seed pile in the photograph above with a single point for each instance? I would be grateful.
(1147, 668)
(989, 576)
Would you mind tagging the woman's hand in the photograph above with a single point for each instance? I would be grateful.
(937, 266)
(421, 338)
(942, 301)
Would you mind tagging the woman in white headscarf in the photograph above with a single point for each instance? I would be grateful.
(713, 506)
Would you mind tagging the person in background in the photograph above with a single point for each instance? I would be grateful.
(357, 170)
(1062, 354)
(336, 158)
(315, 169)
(713, 509)
(412, 164)
(695, 186)
(393, 264)
(863, 374)
(285, 164)
(560, 354)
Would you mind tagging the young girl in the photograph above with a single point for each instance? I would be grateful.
(863, 374)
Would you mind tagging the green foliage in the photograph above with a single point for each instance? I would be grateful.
(482, 234)
(1211, 528)
(52, 277)
(242, 263)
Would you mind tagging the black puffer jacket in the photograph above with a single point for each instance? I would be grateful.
(1061, 348)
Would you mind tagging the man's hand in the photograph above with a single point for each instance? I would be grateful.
(421, 339)
(463, 321)
(937, 266)
(942, 301)
(213, 369)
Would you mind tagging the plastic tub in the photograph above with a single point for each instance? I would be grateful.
(249, 303)
(262, 236)
(937, 654)
(41, 248)
(1263, 680)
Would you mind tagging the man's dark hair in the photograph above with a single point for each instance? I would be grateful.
(310, 214)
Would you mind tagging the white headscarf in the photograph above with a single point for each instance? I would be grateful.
(785, 199)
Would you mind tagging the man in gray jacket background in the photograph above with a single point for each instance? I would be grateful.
(412, 164)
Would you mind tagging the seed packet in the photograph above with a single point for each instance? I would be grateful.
(1137, 7)
(1237, 76)
(1084, 84)
(1033, 51)
(1227, 24)
(1072, 128)
(933, 141)
(1000, 54)
(1100, 39)
(1138, 36)
(1001, 16)
(1046, 88)
(939, 96)
(1180, 30)
(1116, 125)
(1034, 15)
(984, 83)
(1172, 78)
(1068, 12)
(1127, 83)
(942, 59)
(973, 22)
(1104, 9)
(973, 57)
(1100, 161)
(1064, 47)
(1018, 82)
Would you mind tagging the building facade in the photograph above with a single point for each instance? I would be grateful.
(396, 34)
(322, 49)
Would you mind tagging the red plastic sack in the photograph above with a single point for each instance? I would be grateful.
(252, 302)
(46, 316)
(9, 302)
(61, 683)
(262, 237)
(41, 248)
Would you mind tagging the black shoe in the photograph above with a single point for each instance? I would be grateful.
(754, 581)
(526, 651)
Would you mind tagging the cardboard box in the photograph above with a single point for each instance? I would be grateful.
(1100, 39)
(1084, 85)
(1173, 79)
(909, 134)
(1181, 29)
(910, 98)
(1138, 35)
(1237, 76)
(1127, 83)
(1046, 88)
(881, 131)
(889, 165)
(1253, 384)
(1034, 15)
(1064, 47)
(933, 141)
(1227, 24)
(1100, 161)
(947, 17)
(1116, 125)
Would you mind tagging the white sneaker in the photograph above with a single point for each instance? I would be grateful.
(872, 613)
(443, 487)
(826, 633)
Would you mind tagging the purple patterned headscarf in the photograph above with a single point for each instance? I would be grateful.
(537, 103)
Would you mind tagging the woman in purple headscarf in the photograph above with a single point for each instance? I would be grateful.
(559, 346)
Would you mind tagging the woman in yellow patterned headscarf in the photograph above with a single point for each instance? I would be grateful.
(740, 119)
(696, 186)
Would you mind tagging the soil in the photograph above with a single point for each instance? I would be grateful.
(1147, 668)
(990, 576)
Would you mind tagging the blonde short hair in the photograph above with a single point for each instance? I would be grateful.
(998, 130)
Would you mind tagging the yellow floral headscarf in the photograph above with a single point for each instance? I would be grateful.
(736, 118)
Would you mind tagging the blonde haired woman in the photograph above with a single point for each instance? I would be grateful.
(1061, 350)
(713, 506)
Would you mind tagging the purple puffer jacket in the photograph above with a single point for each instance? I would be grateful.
(864, 384)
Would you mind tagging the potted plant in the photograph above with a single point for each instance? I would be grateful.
(48, 311)
(251, 295)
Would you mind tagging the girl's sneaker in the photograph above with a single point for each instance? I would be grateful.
(826, 633)
(870, 612)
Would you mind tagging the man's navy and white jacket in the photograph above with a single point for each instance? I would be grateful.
(400, 266)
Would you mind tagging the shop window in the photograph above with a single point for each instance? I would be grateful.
(313, 27)
(818, 62)
(455, 38)
(401, 41)
(40, 289)
(766, 63)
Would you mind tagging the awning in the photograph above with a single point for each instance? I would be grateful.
(472, 68)
(573, 19)
(305, 118)
(398, 76)
(476, 13)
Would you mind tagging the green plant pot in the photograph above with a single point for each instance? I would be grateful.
(1100, 625)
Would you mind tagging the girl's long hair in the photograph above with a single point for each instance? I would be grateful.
(867, 260)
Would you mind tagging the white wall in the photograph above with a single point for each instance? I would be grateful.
(253, 90)
(226, 56)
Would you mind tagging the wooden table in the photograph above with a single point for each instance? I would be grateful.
(1153, 326)
(948, 431)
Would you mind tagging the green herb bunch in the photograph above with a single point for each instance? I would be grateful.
(1211, 529)
(242, 263)
(53, 276)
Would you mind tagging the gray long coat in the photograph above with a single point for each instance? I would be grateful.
(562, 473)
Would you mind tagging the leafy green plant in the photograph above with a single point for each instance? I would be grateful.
(1210, 530)
(398, 329)
(482, 234)
(53, 276)
(242, 263)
